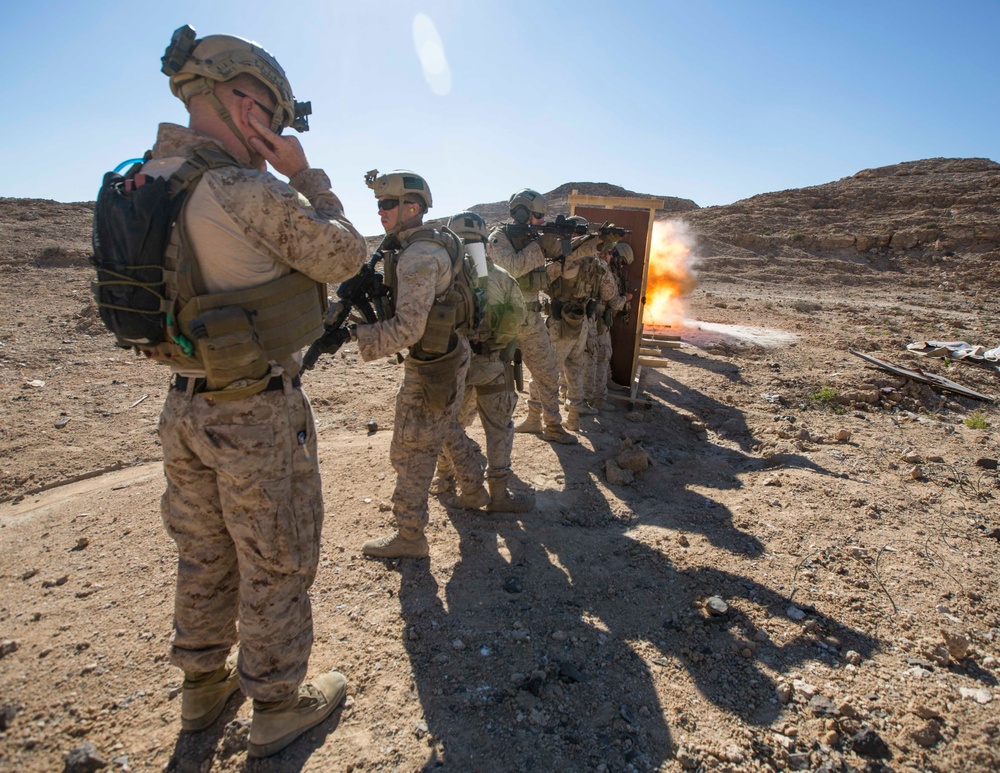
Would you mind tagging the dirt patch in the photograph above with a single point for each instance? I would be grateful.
(804, 576)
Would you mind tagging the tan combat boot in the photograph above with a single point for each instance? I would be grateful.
(555, 433)
(397, 546)
(572, 420)
(204, 696)
(474, 499)
(532, 423)
(275, 725)
(583, 410)
(442, 484)
(603, 406)
(503, 501)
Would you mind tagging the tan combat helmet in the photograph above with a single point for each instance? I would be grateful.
(526, 202)
(470, 226)
(196, 65)
(399, 184)
(623, 251)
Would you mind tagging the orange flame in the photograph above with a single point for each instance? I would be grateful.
(670, 278)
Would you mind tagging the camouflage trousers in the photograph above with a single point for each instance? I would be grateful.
(569, 346)
(245, 506)
(424, 418)
(539, 358)
(486, 392)
(599, 364)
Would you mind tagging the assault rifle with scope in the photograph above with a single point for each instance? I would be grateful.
(364, 293)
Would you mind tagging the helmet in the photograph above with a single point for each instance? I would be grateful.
(196, 65)
(624, 251)
(399, 184)
(470, 226)
(525, 202)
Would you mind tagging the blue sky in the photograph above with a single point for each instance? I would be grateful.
(708, 100)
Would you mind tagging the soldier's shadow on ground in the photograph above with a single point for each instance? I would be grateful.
(560, 641)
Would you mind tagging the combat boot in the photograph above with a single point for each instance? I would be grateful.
(204, 696)
(532, 423)
(502, 500)
(584, 410)
(555, 433)
(275, 725)
(397, 546)
(603, 406)
(442, 484)
(474, 499)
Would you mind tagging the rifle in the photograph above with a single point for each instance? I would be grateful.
(364, 292)
(561, 227)
(612, 230)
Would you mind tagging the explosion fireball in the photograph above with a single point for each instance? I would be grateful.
(670, 278)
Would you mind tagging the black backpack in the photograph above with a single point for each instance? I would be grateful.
(133, 220)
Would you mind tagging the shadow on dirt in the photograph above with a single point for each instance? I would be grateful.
(557, 634)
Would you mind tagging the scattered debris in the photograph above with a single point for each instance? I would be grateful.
(916, 374)
(7, 647)
(372, 426)
(133, 405)
(62, 422)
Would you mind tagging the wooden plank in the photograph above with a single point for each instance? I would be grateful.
(661, 337)
(662, 344)
(615, 201)
(655, 362)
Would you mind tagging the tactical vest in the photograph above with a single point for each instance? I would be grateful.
(454, 311)
(535, 280)
(233, 336)
(581, 288)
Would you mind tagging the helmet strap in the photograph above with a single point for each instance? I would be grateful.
(402, 225)
(206, 87)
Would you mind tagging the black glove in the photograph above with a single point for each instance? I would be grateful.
(336, 338)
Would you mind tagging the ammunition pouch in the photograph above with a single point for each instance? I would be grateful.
(235, 335)
(533, 282)
(440, 329)
(228, 347)
(437, 377)
(591, 308)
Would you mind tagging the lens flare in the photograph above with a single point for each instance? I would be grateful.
(671, 277)
(430, 51)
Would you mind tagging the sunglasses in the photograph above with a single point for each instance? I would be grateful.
(267, 111)
(388, 204)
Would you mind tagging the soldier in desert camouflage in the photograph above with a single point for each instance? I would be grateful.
(611, 299)
(524, 258)
(243, 500)
(489, 389)
(573, 283)
(425, 312)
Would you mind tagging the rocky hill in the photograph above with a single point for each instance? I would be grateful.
(939, 211)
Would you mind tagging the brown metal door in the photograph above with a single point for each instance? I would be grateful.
(624, 331)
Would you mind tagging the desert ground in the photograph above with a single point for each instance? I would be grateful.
(801, 574)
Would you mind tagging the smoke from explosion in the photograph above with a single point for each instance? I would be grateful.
(671, 277)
